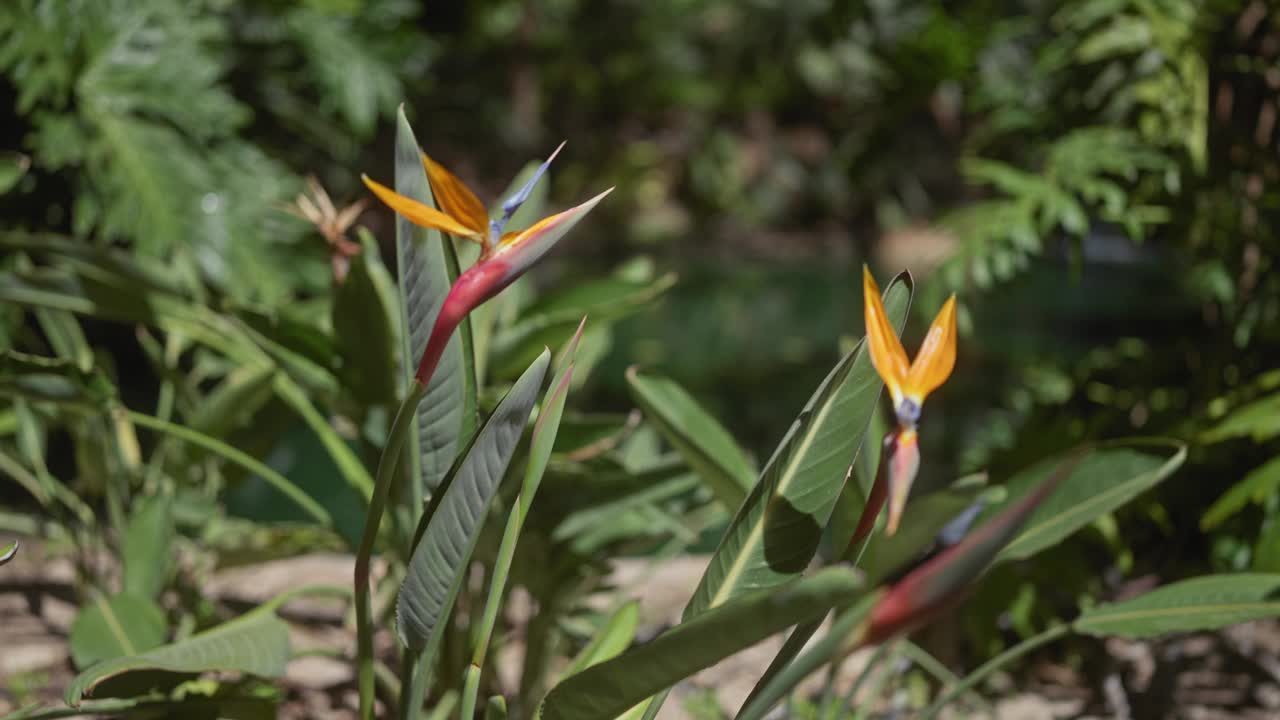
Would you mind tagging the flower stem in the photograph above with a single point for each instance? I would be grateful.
(387, 466)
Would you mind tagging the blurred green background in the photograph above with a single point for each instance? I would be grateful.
(1096, 179)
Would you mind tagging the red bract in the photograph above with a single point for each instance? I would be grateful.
(932, 587)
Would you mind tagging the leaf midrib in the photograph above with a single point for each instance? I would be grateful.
(1069, 514)
(729, 584)
(113, 624)
(1107, 617)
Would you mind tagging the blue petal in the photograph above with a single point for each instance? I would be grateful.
(513, 203)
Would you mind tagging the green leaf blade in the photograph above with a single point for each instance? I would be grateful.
(114, 627)
(701, 440)
(1106, 478)
(609, 689)
(1203, 603)
(775, 533)
(440, 557)
(424, 269)
(256, 643)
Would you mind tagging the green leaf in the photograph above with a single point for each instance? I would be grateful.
(256, 643)
(53, 380)
(424, 268)
(696, 435)
(147, 546)
(611, 688)
(1203, 603)
(541, 442)
(840, 640)
(1259, 419)
(775, 532)
(12, 167)
(9, 552)
(115, 627)
(773, 536)
(1261, 483)
(615, 636)
(1106, 478)
(231, 454)
(362, 331)
(928, 515)
(444, 547)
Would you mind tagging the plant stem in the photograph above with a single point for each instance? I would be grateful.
(940, 672)
(992, 665)
(470, 690)
(387, 466)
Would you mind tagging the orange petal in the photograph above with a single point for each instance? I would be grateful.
(937, 355)
(455, 198)
(417, 213)
(887, 354)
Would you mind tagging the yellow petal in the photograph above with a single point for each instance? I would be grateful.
(417, 213)
(937, 355)
(887, 354)
(455, 198)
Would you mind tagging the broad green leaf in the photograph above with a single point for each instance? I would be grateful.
(9, 552)
(615, 636)
(1105, 479)
(363, 335)
(609, 689)
(775, 532)
(774, 535)
(1256, 487)
(147, 546)
(424, 264)
(1203, 603)
(841, 639)
(441, 554)
(115, 627)
(541, 442)
(696, 435)
(862, 476)
(928, 515)
(256, 643)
